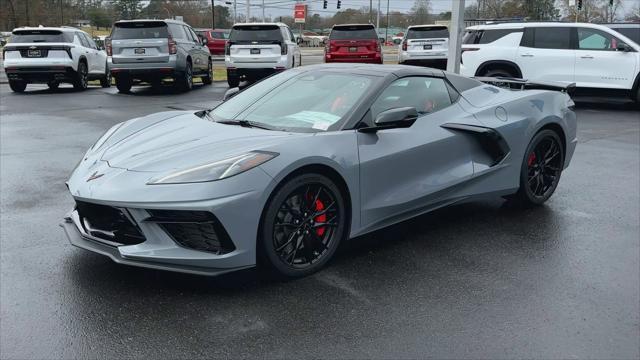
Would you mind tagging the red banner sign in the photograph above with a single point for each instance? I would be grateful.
(300, 13)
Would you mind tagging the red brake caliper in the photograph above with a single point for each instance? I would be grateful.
(531, 159)
(320, 218)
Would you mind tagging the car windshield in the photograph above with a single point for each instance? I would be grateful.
(297, 102)
(40, 36)
(139, 30)
(353, 33)
(255, 33)
(219, 35)
(428, 33)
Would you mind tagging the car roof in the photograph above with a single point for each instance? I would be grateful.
(347, 25)
(427, 26)
(63, 28)
(260, 23)
(520, 25)
(152, 20)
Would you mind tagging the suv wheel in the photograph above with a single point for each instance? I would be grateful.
(185, 83)
(208, 79)
(105, 81)
(17, 86)
(233, 80)
(123, 83)
(498, 73)
(81, 82)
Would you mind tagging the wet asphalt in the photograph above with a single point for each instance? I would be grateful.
(480, 280)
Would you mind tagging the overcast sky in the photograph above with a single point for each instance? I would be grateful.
(285, 7)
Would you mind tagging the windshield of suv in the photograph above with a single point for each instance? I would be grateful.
(139, 30)
(40, 36)
(299, 102)
(354, 32)
(255, 33)
(428, 33)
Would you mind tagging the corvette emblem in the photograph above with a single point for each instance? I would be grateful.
(94, 176)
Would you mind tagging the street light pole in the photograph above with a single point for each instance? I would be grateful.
(455, 40)
(213, 15)
(386, 31)
(263, 19)
(248, 11)
(378, 17)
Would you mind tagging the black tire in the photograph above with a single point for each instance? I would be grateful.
(53, 85)
(233, 80)
(302, 226)
(81, 81)
(105, 81)
(185, 81)
(17, 86)
(499, 72)
(124, 83)
(541, 169)
(208, 79)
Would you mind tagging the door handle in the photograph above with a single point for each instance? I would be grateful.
(526, 55)
(586, 57)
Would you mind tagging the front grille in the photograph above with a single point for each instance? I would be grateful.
(108, 223)
(198, 230)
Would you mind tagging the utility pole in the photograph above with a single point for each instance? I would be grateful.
(263, 18)
(61, 14)
(386, 31)
(248, 11)
(378, 17)
(26, 10)
(370, 11)
(213, 16)
(455, 40)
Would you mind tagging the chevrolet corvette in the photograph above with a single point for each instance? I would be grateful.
(282, 172)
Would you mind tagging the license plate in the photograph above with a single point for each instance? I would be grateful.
(34, 53)
(255, 51)
(353, 49)
(139, 51)
(427, 47)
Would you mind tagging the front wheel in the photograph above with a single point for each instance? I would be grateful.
(185, 82)
(499, 73)
(81, 82)
(541, 168)
(302, 226)
(17, 86)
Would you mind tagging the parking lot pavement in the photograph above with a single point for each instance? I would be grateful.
(480, 280)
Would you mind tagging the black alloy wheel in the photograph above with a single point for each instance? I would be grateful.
(208, 79)
(186, 82)
(82, 81)
(303, 225)
(105, 81)
(541, 168)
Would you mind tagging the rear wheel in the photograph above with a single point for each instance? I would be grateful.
(302, 226)
(208, 79)
(81, 82)
(123, 83)
(541, 168)
(53, 85)
(185, 82)
(17, 86)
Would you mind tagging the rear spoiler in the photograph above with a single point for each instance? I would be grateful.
(523, 84)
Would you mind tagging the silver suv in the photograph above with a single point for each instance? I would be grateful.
(152, 50)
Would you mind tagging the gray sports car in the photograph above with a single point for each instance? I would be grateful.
(282, 172)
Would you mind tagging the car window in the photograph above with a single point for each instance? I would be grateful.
(139, 30)
(83, 39)
(552, 37)
(426, 94)
(192, 34)
(428, 33)
(594, 39)
(89, 41)
(353, 32)
(299, 102)
(285, 34)
(178, 33)
(244, 33)
(632, 33)
(40, 36)
(219, 35)
(489, 36)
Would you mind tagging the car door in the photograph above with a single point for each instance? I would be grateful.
(598, 62)
(199, 51)
(405, 170)
(546, 53)
(99, 56)
(294, 48)
(87, 51)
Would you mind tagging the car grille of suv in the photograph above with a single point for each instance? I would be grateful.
(198, 230)
(108, 223)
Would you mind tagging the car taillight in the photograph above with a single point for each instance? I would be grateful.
(378, 46)
(284, 48)
(404, 45)
(173, 48)
(227, 48)
(107, 46)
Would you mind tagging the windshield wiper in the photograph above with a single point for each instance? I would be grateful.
(246, 123)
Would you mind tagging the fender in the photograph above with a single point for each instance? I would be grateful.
(499, 62)
(490, 140)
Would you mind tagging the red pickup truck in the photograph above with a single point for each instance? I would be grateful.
(216, 39)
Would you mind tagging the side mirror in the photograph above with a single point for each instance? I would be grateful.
(230, 93)
(298, 40)
(623, 47)
(402, 117)
(203, 40)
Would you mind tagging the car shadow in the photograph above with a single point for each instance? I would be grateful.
(600, 103)
(61, 90)
(164, 89)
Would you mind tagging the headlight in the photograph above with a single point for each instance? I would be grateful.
(216, 170)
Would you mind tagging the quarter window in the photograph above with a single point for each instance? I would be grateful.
(426, 94)
(178, 32)
(592, 39)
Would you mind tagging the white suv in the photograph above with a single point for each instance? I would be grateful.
(53, 55)
(593, 56)
(256, 50)
(426, 45)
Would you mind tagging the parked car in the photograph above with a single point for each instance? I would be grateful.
(630, 30)
(53, 55)
(151, 50)
(216, 39)
(426, 45)
(283, 172)
(353, 43)
(598, 59)
(256, 50)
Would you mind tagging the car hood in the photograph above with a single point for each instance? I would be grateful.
(179, 140)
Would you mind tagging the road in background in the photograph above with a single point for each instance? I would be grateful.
(481, 280)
